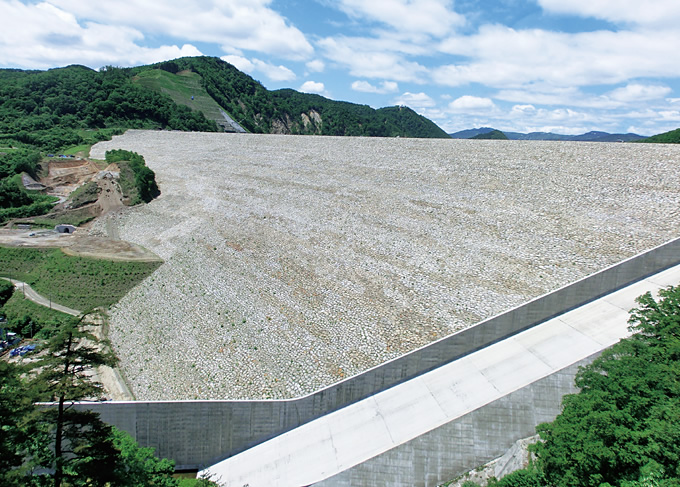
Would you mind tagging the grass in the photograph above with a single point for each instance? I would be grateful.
(17, 307)
(82, 150)
(77, 282)
(181, 87)
(127, 183)
(91, 137)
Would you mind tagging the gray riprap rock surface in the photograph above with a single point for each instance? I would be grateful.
(294, 262)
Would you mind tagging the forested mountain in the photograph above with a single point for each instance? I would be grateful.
(50, 110)
(287, 111)
(53, 109)
(672, 137)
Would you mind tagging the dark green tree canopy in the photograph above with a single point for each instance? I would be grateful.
(624, 425)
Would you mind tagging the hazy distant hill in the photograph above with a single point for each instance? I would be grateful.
(470, 133)
(672, 137)
(536, 136)
(493, 135)
(587, 137)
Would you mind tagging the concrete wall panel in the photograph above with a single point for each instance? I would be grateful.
(474, 439)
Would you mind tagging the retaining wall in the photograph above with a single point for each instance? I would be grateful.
(474, 439)
(197, 434)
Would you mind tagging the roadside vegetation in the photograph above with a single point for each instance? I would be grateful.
(623, 428)
(26, 318)
(77, 282)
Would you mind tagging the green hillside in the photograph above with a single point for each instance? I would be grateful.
(185, 88)
(672, 137)
(76, 106)
(286, 111)
(59, 108)
(493, 135)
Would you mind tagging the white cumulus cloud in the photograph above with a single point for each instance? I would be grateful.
(415, 100)
(240, 63)
(313, 87)
(316, 65)
(59, 32)
(427, 17)
(45, 35)
(468, 103)
(253, 66)
(636, 92)
(652, 12)
(366, 59)
(506, 58)
(366, 87)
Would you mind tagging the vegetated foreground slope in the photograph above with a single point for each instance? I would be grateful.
(293, 262)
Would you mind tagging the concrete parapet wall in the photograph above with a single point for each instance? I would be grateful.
(199, 433)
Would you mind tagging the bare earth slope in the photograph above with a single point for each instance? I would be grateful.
(293, 262)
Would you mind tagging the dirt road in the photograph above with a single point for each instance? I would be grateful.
(80, 244)
(31, 294)
(110, 378)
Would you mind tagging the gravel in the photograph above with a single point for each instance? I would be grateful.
(294, 262)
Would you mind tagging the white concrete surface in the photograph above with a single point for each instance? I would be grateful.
(350, 436)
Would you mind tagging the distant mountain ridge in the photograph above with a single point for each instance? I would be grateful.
(493, 135)
(593, 136)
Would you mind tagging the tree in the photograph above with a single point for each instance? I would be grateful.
(81, 450)
(140, 466)
(13, 438)
(60, 444)
(623, 428)
(6, 291)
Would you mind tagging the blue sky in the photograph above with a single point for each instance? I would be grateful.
(566, 66)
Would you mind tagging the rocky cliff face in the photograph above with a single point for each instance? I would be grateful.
(308, 123)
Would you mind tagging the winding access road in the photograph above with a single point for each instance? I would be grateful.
(31, 294)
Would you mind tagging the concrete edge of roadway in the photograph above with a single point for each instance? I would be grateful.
(201, 433)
